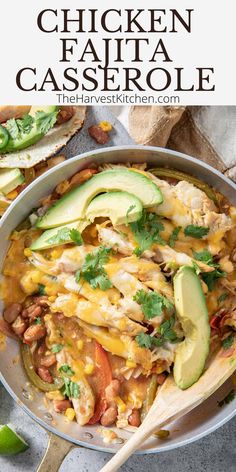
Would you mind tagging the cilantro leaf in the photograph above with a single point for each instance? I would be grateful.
(147, 231)
(57, 348)
(229, 398)
(209, 278)
(70, 389)
(45, 121)
(152, 303)
(41, 289)
(174, 236)
(228, 342)
(66, 369)
(203, 256)
(92, 270)
(25, 124)
(196, 231)
(166, 334)
(76, 237)
(144, 340)
(65, 235)
(12, 128)
(38, 320)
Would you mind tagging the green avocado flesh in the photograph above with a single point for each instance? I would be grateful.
(28, 139)
(10, 179)
(191, 310)
(50, 237)
(74, 204)
(120, 207)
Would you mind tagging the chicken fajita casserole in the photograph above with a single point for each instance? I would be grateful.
(122, 276)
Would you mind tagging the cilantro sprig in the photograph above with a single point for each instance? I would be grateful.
(70, 388)
(166, 333)
(209, 278)
(64, 235)
(43, 121)
(57, 348)
(152, 303)
(93, 271)
(146, 231)
(66, 369)
(195, 231)
(174, 236)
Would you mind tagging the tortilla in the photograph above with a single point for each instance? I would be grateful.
(49, 145)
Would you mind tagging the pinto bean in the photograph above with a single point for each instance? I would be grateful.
(97, 133)
(112, 390)
(65, 114)
(6, 329)
(134, 418)
(109, 417)
(49, 360)
(34, 311)
(33, 333)
(41, 301)
(19, 326)
(11, 312)
(45, 375)
(61, 405)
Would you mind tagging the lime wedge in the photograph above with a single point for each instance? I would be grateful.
(11, 442)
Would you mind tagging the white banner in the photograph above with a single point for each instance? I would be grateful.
(163, 52)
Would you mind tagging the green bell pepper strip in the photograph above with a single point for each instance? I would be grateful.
(178, 175)
(4, 137)
(33, 377)
(150, 396)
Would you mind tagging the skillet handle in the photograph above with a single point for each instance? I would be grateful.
(56, 452)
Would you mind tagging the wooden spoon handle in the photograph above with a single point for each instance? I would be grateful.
(135, 441)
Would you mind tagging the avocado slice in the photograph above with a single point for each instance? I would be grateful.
(191, 309)
(28, 139)
(120, 207)
(10, 179)
(50, 237)
(73, 205)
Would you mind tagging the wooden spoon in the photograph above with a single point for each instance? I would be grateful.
(172, 403)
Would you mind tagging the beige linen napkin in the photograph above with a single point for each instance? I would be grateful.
(208, 133)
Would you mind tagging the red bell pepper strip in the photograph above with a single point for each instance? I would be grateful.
(103, 376)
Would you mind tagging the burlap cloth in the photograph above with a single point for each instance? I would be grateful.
(208, 133)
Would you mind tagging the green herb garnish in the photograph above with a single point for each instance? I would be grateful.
(41, 289)
(65, 235)
(70, 389)
(196, 231)
(228, 342)
(38, 321)
(229, 398)
(147, 231)
(92, 270)
(166, 333)
(209, 278)
(152, 303)
(57, 348)
(45, 121)
(174, 236)
(66, 369)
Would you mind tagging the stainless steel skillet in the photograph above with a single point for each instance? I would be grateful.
(201, 421)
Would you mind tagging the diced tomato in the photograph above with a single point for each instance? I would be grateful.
(103, 376)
